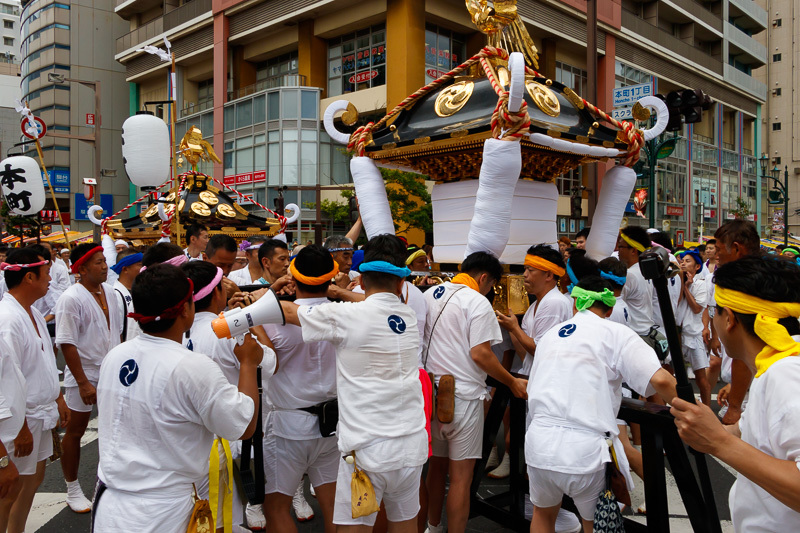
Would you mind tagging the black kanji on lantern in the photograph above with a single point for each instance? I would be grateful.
(9, 176)
(15, 199)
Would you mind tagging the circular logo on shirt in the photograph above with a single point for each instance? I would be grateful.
(567, 330)
(397, 324)
(438, 292)
(128, 372)
(625, 312)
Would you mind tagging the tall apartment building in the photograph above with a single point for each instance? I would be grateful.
(9, 75)
(256, 76)
(781, 120)
(75, 40)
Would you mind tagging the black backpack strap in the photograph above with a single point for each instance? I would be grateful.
(124, 316)
(433, 327)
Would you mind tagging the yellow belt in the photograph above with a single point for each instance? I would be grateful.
(214, 484)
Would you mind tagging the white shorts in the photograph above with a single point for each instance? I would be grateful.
(42, 448)
(74, 401)
(548, 488)
(463, 437)
(695, 354)
(287, 460)
(155, 513)
(399, 490)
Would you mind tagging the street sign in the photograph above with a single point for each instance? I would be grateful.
(667, 147)
(631, 94)
(41, 128)
(625, 113)
(679, 237)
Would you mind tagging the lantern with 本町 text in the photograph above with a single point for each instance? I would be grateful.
(22, 185)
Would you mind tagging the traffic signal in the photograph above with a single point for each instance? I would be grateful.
(685, 106)
(278, 203)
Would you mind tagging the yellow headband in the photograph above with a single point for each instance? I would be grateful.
(534, 261)
(633, 244)
(466, 279)
(308, 280)
(415, 255)
(779, 343)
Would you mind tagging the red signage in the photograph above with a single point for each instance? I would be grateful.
(679, 237)
(674, 210)
(90, 119)
(260, 176)
(229, 180)
(435, 73)
(361, 77)
(244, 178)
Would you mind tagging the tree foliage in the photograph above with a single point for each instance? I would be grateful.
(14, 222)
(742, 210)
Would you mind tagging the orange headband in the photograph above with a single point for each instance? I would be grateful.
(308, 280)
(534, 261)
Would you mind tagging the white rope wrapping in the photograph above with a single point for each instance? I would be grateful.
(372, 200)
(617, 186)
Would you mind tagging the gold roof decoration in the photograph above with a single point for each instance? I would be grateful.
(504, 28)
(194, 149)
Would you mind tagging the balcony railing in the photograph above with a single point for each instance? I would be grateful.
(730, 160)
(156, 27)
(705, 153)
(285, 80)
(196, 108)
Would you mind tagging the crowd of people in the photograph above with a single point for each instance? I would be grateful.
(365, 375)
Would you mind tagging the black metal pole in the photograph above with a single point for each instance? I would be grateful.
(684, 388)
(786, 207)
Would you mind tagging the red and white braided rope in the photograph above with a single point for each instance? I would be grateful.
(281, 218)
(104, 222)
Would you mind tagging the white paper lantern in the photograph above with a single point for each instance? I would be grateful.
(22, 185)
(146, 150)
(615, 191)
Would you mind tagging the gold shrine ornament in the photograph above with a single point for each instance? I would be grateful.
(209, 197)
(453, 98)
(225, 211)
(201, 209)
(544, 98)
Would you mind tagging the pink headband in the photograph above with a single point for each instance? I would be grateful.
(17, 267)
(205, 291)
(85, 257)
(177, 261)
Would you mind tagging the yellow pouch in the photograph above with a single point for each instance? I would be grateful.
(363, 501)
(214, 485)
(201, 521)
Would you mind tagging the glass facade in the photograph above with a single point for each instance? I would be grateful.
(444, 50)
(357, 61)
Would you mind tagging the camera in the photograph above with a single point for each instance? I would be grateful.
(654, 263)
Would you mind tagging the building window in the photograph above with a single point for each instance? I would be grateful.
(205, 92)
(776, 58)
(776, 126)
(569, 181)
(776, 160)
(776, 92)
(777, 23)
(444, 50)
(8, 41)
(8, 24)
(573, 77)
(271, 73)
(357, 61)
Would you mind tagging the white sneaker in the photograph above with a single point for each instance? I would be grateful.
(503, 469)
(79, 503)
(254, 514)
(302, 510)
(567, 522)
(311, 488)
(493, 460)
(435, 529)
(689, 372)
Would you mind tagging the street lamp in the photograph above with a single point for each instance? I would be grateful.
(783, 188)
(93, 139)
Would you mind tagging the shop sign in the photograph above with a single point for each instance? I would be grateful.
(362, 77)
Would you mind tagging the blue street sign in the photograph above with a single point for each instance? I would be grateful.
(629, 208)
(82, 206)
(631, 94)
(59, 179)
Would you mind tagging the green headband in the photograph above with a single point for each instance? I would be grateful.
(585, 299)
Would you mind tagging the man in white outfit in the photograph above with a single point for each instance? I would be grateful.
(129, 263)
(159, 407)
(12, 417)
(88, 324)
(24, 330)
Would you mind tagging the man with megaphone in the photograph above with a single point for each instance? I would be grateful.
(381, 425)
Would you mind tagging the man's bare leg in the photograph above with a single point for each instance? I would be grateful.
(436, 481)
(544, 519)
(71, 444)
(22, 507)
(458, 495)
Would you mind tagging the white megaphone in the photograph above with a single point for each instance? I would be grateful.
(237, 322)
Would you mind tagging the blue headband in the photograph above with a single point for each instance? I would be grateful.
(384, 268)
(572, 277)
(619, 280)
(331, 250)
(128, 260)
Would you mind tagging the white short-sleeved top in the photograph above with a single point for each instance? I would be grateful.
(574, 391)
(638, 294)
(242, 277)
(619, 313)
(160, 406)
(771, 423)
(691, 322)
(459, 318)
(34, 355)
(552, 309)
(311, 363)
(377, 378)
(133, 325)
(12, 395)
(81, 322)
